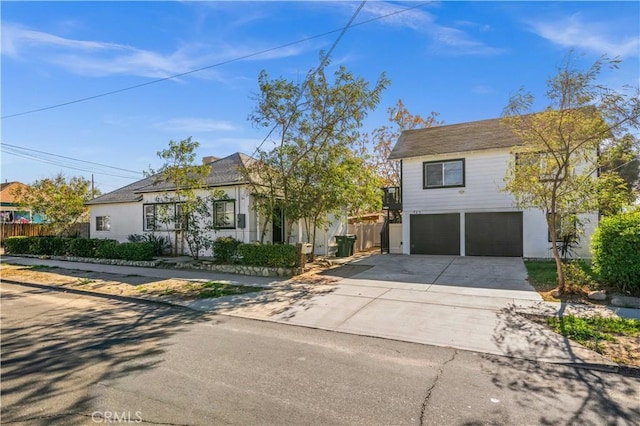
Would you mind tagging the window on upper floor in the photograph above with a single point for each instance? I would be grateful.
(103, 223)
(443, 174)
(543, 164)
(224, 213)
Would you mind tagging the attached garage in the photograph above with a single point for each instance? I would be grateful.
(493, 234)
(435, 234)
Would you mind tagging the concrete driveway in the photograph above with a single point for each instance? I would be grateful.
(460, 302)
(485, 276)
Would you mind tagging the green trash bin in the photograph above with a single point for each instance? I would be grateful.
(345, 245)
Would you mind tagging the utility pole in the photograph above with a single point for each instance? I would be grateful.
(93, 191)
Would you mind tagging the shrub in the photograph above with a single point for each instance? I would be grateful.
(50, 246)
(577, 280)
(161, 245)
(46, 246)
(225, 249)
(83, 247)
(17, 245)
(615, 247)
(273, 255)
(107, 249)
(136, 251)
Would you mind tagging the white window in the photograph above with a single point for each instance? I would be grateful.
(224, 213)
(442, 174)
(149, 217)
(103, 223)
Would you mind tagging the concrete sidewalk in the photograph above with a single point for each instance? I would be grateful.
(475, 318)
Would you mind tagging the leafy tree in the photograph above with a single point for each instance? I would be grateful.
(310, 166)
(60, 200)
(620, 160)
(187, 203)
(556, 167)
(384, 138)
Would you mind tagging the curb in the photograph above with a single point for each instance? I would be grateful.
(130, 299)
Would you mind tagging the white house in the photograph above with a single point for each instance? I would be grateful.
(135, 209)
(452, 197)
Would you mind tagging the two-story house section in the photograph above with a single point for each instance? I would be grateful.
(453, 199)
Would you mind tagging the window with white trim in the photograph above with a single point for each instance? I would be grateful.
(443, 174)
(103, 223)
(224, 213)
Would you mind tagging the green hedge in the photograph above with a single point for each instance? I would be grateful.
(79, 247)
(615, 247)
(225, 249)
(272, 255)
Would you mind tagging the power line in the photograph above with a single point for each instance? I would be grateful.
(17, 153)
(250, 55)
(69, 158)
(323, 63)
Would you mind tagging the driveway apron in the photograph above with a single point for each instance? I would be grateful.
(460, 302)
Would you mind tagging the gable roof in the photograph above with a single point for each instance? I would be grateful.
(471, 136)
(228, 171)
(6, 191)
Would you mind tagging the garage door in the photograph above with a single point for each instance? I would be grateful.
(493, 234)
(435, 233)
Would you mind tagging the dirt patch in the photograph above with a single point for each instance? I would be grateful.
(122, 285)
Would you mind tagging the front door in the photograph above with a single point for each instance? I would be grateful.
(278, 226)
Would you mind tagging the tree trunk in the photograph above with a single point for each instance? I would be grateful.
(556, 253)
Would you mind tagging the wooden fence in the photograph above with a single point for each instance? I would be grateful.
(39, 230)
(368, 235)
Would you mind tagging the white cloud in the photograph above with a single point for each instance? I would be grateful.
(94, 58)
(196, 125)
(597, 37)
(443, 39)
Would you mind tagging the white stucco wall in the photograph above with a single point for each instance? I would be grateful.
(484, 178)
(128, 218)
(125, 219)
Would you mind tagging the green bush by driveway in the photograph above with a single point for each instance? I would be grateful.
(616, 252)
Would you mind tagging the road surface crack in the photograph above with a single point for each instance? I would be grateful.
(425, 402)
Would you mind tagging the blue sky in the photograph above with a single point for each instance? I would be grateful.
(460, 59)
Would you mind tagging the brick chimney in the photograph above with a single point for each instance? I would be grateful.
(209, 159)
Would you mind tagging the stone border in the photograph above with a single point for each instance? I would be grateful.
(120, 262)
(259, 271)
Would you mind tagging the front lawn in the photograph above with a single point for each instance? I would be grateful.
(579, 279)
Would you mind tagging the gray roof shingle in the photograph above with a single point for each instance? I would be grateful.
(226, 171)
(472, 136)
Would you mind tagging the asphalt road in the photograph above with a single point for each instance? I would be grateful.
(75, 359)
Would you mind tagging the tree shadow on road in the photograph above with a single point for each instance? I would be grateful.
(52, 354)
(598, 387)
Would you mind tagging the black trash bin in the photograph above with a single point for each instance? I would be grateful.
(345, 245)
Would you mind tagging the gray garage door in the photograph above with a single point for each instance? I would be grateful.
(493, 234)
(435, 233)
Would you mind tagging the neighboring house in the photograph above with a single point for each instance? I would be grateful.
(134, 209)
(452, 198)
(10, 210)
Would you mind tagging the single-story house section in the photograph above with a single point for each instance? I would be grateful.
(10, 210)
(452, 197)
(134, 209)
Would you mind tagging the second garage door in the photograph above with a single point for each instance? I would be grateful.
(493, 234)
